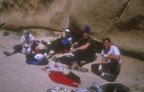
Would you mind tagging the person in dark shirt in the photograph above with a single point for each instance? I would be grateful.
(84, 49)
(60, 45)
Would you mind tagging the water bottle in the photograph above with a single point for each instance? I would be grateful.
(136, 83)
(98, 88)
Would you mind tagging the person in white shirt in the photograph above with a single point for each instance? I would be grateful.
(27, 44)
(110, 65)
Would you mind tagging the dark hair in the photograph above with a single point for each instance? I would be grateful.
(106, 39)
(86, 29)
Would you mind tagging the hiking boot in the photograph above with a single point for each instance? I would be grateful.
(44, 42)
(7, 53)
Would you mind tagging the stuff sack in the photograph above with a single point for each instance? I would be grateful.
(38, 59)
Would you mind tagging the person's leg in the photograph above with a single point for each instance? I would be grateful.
(75, 64)
(33, 47)
(17, 49)
(113, 65)
(44, 43)
(49, 47)
(7, 53)
(95, 69)
(66, 48)
(77, 58)
(57, 45)
(87, 57)
(83, 57)
(118, 69)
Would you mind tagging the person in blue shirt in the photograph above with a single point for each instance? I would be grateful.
(60, 45)
(67, 40)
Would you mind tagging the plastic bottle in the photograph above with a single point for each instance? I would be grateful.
(136, 83)
(98, 88)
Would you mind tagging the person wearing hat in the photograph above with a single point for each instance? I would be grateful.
(60, 45)
(84, 49)
(27, 44)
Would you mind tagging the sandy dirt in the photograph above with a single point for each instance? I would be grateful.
(17, 76)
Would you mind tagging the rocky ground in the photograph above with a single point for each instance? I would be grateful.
(17, 76)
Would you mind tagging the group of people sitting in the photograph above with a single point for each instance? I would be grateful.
(83, 50)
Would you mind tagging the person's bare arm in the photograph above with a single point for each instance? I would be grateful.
(103, 62)
(31, 43)
(73, 44)
(83, 47)
(23, 44)
(116, 57)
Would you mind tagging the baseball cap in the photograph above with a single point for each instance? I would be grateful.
(25, 31)
(86, 29)
(67, 30)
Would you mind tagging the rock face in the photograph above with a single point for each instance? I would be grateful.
(39, 14)
(121, 20)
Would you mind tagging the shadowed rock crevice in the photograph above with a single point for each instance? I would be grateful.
(132, 54)
(123, 8)
(134, 23)
(76, 31)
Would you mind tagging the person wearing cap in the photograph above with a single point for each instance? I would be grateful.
(84, 49)
(67, 40)
(60, 45)
(27, 44)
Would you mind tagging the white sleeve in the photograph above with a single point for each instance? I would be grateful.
(22, 38)
(31, 37)
(116, 51)
(70, 39)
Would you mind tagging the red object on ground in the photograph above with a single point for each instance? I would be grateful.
(36, 50)
(60, 77)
